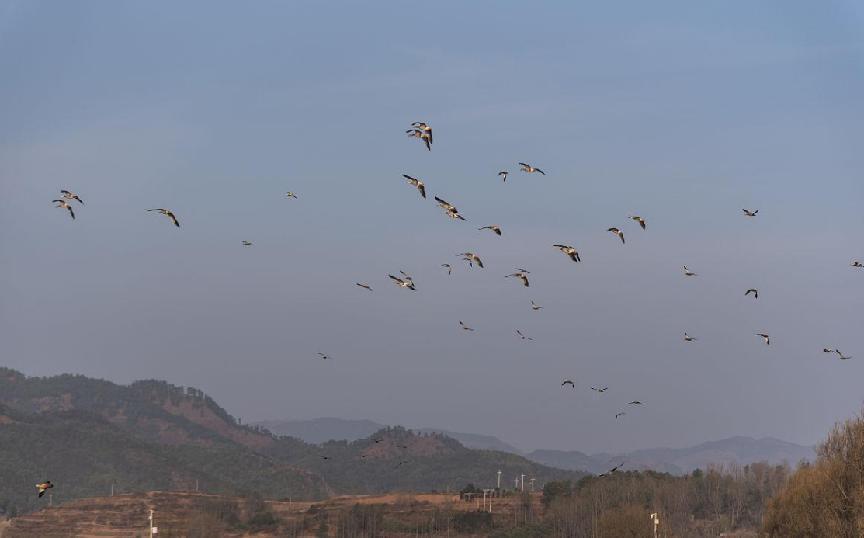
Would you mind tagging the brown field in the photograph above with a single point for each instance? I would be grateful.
(192, 514)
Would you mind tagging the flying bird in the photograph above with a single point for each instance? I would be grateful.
(290, 194)
(765, 337)
(617, 232)
(688, 338)
(465, 327)
(634, 402)
(522, 336)
(418, 183)
(42, 487)
(612, 470)
(472, 258)
(530, 169)
(569, 251)
(750, 213)
(246, 243)
(363, 285)
(535, 307)
(856, 263)
(71, 196)
(621, 414)
(65, 204)
(503, 174)
(168, 214)
(604, 389)
(494, 227)
(754, 291)
(449, 268)
(422, 135)
(403, 282)
(324, 356)
(568, 382)
(640, 220)
(521, 276)
(688, 272)
(449, 209)
(423, 126)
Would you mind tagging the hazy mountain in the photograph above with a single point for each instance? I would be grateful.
(478, 441)
(738, 450)
(320, 430)
(86, 434)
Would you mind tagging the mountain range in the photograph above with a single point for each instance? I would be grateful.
(89, 436)
(733, 450)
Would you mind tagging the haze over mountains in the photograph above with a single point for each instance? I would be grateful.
(733, 450)
(87, 435)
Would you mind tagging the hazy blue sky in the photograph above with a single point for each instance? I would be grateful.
(678, 111)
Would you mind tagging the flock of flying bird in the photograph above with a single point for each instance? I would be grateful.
(423, 132)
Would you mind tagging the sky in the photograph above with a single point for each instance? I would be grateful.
(681, 112)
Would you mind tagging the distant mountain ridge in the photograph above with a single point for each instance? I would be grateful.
(738, 450)
(89, 435)
(321, 430)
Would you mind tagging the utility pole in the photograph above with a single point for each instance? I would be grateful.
(112, 489)
(523, 482)
(499, 479)
(656, 520)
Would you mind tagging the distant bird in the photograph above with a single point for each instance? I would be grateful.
(42, 487)
(634, 402)
(290, 194)
(403, 282)
(423, 126)
(449, 268)
(324, 356)
(246, 243)
(604, 389)
(503, 173)
(363, 285)
(449, 209)
(65, 204)
(495, 228)
(530, 169)
(640, 220)
(688, 272)
(612, 470)
(568, 382)
(838, 352)
(521, 276)
(750, 213)
(472, 258)
(754, 291)
(465, 327)
(522, 336)
(569, 251)
(856, 263)
(535, 307)
(418, 183)
(168, 214)
(71, 196)
(765, 337)
(688, 338)
(617, 232)
(621, 414)
(324, 457)
(423, 132)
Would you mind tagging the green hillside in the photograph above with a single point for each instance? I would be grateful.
(86, 434)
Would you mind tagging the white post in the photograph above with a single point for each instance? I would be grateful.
(523, 482)
(151, 523)
(499, 479)
(484, 499)
(112, 489)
